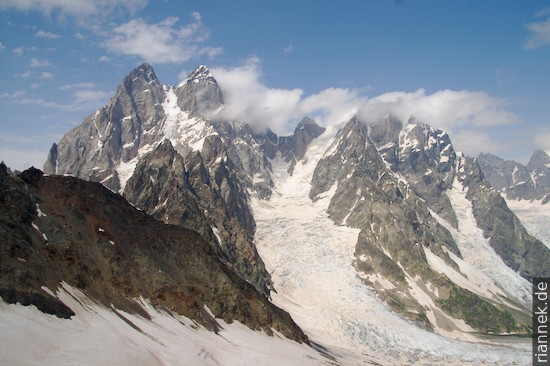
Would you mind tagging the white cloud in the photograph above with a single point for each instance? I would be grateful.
(35, 62)
(82, 100)
(246, 99)
(79, 35)
(2, 47)
(103, 59)
(46, 75)
(46, 35)
(76, 8)
(447, 109)
(91, 98)
(466, 115)
(35, 86)
(288, 49)
(162, 42)
(542, 141)
(18, 50)
(25, 74)
(76, 86)
(540, 34)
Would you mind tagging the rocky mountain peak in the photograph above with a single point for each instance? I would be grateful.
(293, 148)
(199, 93)
(200, 74)
(142, 74)
(539, 161)
(516, 180)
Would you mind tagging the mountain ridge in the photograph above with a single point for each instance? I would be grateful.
(421, 210)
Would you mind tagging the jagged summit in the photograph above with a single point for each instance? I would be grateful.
(201, 73)
(144, 71)
(539, 161)
(517, 181)
(199, 93)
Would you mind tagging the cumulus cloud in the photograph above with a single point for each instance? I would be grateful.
(163, 42)
(447, 109)
(82, 100)
(466, 115)
(539, 32)
(46, 75)
(76, 8)
(36, 62)
(46, 35)
(25, 74)
(76, 86)
(246, 99)
(288, 49)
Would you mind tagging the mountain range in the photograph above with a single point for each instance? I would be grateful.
(364, 241)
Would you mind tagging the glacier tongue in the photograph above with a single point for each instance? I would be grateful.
(310, 260)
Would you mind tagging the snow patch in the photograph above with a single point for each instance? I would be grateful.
(41, 233)
(39, 211)
(100, 336)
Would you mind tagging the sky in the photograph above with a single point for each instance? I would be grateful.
(478, 69)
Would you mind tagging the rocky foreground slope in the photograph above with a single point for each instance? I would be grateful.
(64, 230)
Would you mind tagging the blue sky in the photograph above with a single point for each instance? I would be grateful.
(479, 69)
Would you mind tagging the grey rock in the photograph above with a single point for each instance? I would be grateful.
(519, 250)
(199, 93)
(518, 181)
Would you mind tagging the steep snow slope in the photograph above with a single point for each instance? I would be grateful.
(310, 260)
(477, 251)
(100, 336)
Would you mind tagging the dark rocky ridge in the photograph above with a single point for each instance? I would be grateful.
(201, 195)
(94, 240)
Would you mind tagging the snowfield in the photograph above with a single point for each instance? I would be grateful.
(100, 336)
(534, 216)
(310, 261)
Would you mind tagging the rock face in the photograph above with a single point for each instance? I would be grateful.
(199, 93)
(113, 134)
(293, 148)
(201, 196)
(390, 204)
(62, 229)
(507, 236)
(517, 181)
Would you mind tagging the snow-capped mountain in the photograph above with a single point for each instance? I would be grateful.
(382, 242)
